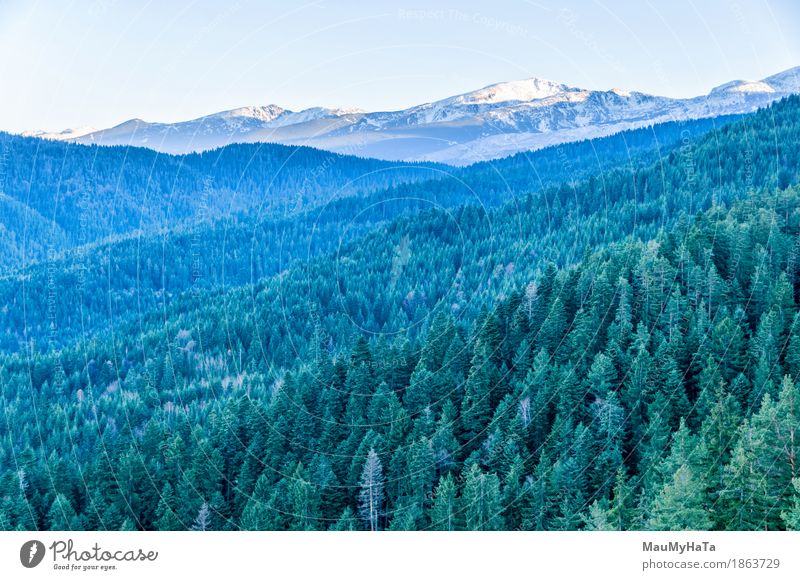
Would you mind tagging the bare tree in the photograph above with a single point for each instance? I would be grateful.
(371, 495)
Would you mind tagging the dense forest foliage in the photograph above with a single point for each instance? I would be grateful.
(56, 196)
(618, 351)
(88, 193)
(141, 273)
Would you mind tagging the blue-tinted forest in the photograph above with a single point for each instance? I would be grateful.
(603, 336)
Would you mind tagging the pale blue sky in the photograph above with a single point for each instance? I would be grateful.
(100, 62)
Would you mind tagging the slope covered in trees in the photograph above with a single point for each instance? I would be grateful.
(141, 272)
(588, 356)
(84, 194)
(89, 193)
(141, 277)
(650, 386)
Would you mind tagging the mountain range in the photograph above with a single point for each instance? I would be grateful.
(489, 123)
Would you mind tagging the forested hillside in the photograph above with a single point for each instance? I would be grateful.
(141, 272)
(89, 193)
(626, 194)
(615, 352)
(649, 386)
(60, 196)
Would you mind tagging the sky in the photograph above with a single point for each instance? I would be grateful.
(100, 62)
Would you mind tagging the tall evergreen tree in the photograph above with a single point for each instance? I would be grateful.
(481, 500)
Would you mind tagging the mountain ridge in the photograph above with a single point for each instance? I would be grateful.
(488, 123)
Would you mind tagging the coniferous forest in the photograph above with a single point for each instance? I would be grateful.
(602, 335)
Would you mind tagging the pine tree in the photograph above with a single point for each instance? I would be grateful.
(62, 515)
(481, 500)
(332, 497)
(599, 517)
(476, 407)
(655, 441)
(445, 444)
(347, 521)
(166, 518)
(787, 430)
(256, 514)
(419, 393)
(202, 522)
(754, 481)
(304, 501)
(791, 516)
(764, 350)
(551, 333)
(608, 434)
(513, 490)
(444, 513)
(602, 376)
(537, 506)
(792, 356)
(621, 513)
(421, 472)
(681, 504)
(718, 434)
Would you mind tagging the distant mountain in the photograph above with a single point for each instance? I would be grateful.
(65, 135)
(488, 123)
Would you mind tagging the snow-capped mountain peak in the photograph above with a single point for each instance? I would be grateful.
(620, 92)
(743, 87)
(266, 113)
(531, 89)
(312, 114)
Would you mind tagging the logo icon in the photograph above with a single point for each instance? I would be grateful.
(31, 553)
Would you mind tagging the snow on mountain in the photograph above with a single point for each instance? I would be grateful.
(787, 81)
(743, 87)
(64, 135)
(494, 121)
(525, 90)
(265, 114)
